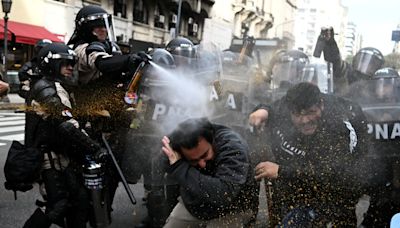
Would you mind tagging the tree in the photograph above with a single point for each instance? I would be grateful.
(392, 60)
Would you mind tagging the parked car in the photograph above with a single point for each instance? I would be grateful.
(13, 81)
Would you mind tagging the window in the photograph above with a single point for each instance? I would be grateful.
(159, 18)
(120, 8)
(172, 21)
(192, 27)
(140, 11)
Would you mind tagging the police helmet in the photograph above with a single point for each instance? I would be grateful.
(52, 57)
(181, 47)
(40, 44)
(368, 60)
(386, 81)
(88, 18)
(386, 72)
(317, 72)
(287, 67)
(162, 57)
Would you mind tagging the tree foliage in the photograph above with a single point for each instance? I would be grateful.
(392, 60)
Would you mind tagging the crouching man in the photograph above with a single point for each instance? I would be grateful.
(211, 165)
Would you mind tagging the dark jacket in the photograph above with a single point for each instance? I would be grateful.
(28, 75)
(51, 106)
(227, 185)
(327, 170)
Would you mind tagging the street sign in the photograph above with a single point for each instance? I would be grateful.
(396, 35)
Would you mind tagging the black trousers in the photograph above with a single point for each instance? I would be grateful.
(68, 203)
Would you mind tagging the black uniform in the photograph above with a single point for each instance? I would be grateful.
(365, 63)
(382, 108)
(63, 143)
(103, 75)
(29, 72)
(28, 75)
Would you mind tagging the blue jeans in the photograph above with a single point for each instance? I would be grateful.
(299, 217)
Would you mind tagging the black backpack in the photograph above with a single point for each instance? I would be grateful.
(22, 167)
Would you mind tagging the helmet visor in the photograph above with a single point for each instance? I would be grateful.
(101, 20)
(318, 75)
(367, 62)
(287, 71)
(188, 52)
(385, 89)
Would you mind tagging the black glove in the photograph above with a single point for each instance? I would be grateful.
(326, 43)
(325, 38)
(144, 57)
(329, 35)
(136, 59)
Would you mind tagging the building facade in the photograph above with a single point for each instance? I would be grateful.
(312, 15)
(352, 42)
(138, 24)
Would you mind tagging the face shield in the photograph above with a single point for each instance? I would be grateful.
(101, 20)
(385, 89)
(287, 71)
(317, 73)
(367, 61)
(235, 66)
(208, 62)
(184, 50)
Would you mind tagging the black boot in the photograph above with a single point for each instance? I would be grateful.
(37, 220)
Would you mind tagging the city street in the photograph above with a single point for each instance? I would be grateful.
(13, 213)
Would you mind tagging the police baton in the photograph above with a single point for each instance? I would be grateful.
(124, 182)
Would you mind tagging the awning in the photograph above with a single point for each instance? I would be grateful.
(26, 33)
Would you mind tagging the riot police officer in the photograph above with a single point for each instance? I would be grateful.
(285, 69)
(365, 63)
(160, 195)
(103, 74)
(28, 74)
(101, 63)
(181, 46)
(185, 55)
(94, 43)
(386, 87)
(61, 140)
(380, 102)
(288, 67)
